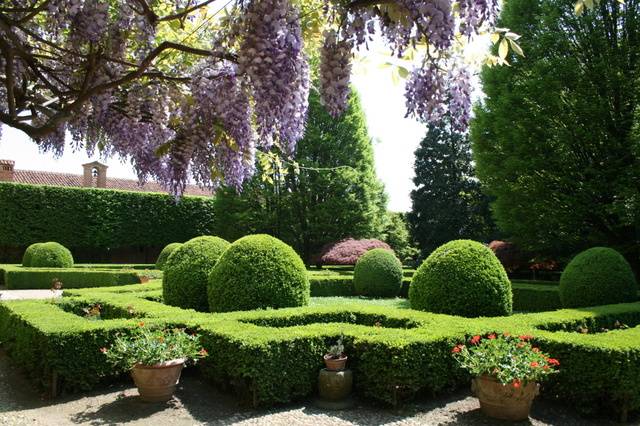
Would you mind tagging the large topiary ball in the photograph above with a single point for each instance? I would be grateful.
(186, 272)
(378, 273)
(257, 272)
(164, 254)
(597, 276)
(28, 254)
(464, 278)
(50, 255)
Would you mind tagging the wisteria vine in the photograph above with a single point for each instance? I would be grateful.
(93, 70)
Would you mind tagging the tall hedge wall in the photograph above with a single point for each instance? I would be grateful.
(93, 221)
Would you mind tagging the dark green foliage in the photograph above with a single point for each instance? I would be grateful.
(396, 234)
(258, 272)
(462, 277)
(17, 278)
(48, 255)
(187, 269)
(28, 254)
(553, 139)
(164, 254)
(378, 273)
(334, 195)
(395, 353)
(534, 296)
(597, 276)
(447, 203)
(331, 286)
(84, 218)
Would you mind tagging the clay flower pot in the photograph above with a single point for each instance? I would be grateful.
(157, 383)
(504, 402)
(335, 364)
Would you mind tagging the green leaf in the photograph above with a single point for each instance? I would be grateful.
(403, 72)
(503, 50)
(516, 47)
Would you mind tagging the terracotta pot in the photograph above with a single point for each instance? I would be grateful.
(335, 364)
(157, 383)
(504, 402)
(335, 385)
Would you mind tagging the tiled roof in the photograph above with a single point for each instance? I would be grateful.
(34, 177)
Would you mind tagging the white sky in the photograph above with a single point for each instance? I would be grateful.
(395, 138)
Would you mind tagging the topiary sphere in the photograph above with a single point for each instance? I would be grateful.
(464, 278)
(184, 282)
(50, 255)
(258, 272)
(378, 273)
(28, 254)
(164, 254)
(597, 276)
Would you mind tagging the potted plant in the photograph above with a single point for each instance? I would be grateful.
(155, 358)
(506, 370)
(335, 359)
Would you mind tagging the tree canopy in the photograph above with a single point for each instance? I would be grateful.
(447, 203)
(554, 140)
(334, 194)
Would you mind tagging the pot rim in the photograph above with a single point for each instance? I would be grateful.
(329, 357)
(165, 364)
(494, 379)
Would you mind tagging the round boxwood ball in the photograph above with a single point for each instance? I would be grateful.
(378, 273)
(184, 282)
(464, 278)
(28, 254)
(257, 272)
(164, 254)
(50, 255)
(597, 276)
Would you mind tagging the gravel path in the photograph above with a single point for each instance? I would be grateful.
(29, 294)
(198, 403)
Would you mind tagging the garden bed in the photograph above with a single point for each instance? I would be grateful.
(274, 356)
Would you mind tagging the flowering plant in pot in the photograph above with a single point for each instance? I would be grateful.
(335, 359)
(155, 357)
(507, 371)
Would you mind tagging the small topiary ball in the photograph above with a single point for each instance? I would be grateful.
(28, 254)
(184, 282)
(464, 278)
(597, 276)
(258, 272)
(378, 273)
(164, 254)
(50, 255)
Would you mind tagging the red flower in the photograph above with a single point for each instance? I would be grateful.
(457, 349)
(141, 324)
(203, 352)
(534, 364)
(491, 336)
(516, 383)
(474, 340)
(546, 367)
(103, 350)
(553, 361)
(535, 349)
(525, 337)
(520, 345)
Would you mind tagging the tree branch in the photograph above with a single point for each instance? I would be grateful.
(185, 12)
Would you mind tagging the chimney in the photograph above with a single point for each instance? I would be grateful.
(95, 175)
(7, 172)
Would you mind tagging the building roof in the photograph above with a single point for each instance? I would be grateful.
(36, 177)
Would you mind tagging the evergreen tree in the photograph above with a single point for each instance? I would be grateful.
(447, 203)
(330, 194)
(553, 138)
(396, 234)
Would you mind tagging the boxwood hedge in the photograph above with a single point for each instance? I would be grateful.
(274, 356)
(19, 278)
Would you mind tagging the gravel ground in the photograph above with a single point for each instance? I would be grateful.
(198, 403)
(29, 294)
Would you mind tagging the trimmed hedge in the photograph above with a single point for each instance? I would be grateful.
(599, 275)
(378, 273)
(462, 277)
(97, 218)
(165, 253)
(186, 272)
(258, 272)
(274, 356)
(48, 255)
(18, 278)
(28, 254)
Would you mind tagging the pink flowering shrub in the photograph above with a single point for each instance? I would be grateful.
(348, 251)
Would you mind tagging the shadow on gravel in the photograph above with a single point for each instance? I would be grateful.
(124, 409)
